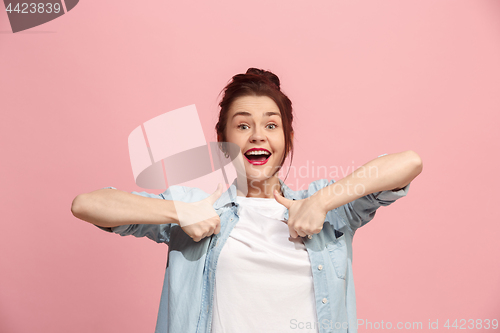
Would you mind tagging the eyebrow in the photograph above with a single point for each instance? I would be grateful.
(267, 114)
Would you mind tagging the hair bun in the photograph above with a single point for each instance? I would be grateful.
(269, 75)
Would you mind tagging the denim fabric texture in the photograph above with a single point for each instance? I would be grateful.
(187, 295)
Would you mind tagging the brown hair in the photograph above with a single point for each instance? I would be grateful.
(257, 82)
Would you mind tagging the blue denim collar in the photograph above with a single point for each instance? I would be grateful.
(229, 196)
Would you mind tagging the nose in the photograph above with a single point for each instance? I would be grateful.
(257, 136)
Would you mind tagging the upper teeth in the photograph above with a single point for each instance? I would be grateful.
(257, 152)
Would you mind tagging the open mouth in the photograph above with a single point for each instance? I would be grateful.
(257, 156)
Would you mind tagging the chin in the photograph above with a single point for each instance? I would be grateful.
(258, 177)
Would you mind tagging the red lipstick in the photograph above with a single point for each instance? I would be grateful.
(259, 161)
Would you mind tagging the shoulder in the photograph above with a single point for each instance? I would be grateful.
(184, 193)
(316, 186)
(310, 189)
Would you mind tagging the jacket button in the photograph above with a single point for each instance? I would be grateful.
(320, 267)
(309, 236)
(324, 300)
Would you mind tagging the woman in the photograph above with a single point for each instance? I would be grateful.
(258, 257)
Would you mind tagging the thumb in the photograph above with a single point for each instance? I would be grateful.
(282, 200)
(216, 195)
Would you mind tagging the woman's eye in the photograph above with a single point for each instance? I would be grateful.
(245, 126)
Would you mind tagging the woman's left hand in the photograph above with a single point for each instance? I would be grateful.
(305, 217)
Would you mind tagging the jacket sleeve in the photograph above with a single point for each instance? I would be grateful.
(362, 210)
(159, 233)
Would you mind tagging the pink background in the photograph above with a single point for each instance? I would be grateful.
(365, 78)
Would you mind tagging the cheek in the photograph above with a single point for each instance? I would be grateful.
(280, 141)
(235, 138)
(230, 134)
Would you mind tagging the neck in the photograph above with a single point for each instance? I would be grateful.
(261, 189)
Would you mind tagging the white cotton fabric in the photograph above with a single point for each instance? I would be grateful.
(263, 277)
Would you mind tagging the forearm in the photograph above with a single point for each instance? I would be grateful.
(111, 208)
(387, 172)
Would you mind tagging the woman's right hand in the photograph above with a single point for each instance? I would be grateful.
(199, 219)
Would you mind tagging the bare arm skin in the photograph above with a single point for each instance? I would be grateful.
(389, 172)
(112, 208)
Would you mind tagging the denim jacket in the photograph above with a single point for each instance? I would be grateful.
(188, 288)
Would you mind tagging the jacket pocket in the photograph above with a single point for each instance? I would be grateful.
(338, 253)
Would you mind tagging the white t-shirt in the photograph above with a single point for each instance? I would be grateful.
(263, 278)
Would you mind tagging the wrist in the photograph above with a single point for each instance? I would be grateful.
(321, 200)
(170, 212)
